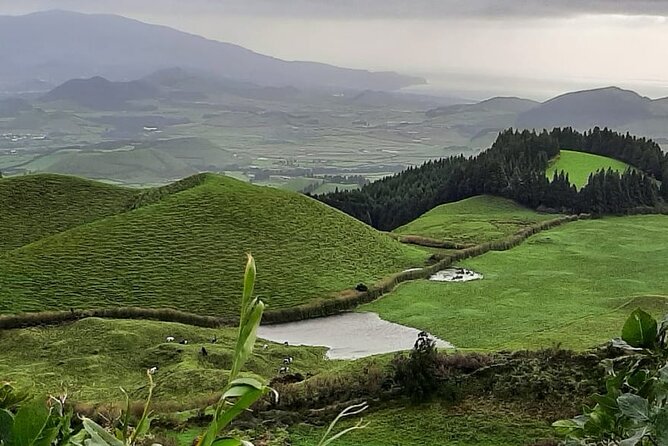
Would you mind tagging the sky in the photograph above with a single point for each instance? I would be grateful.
(473, 48)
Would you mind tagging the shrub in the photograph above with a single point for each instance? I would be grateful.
(417, 374)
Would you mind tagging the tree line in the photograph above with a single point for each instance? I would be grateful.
(514, 167)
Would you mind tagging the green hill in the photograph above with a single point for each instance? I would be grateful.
(187, 252)
(473, 220)
(579, 165)
(36, 206)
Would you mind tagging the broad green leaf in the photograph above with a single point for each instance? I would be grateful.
(78, 439)
(640, 329)
(607, 402)
(633, 406)
(663, 374)
(567, 428)
(10, 397)
(600, 421)
(238, 391)
(6, 424)
(29, 423)
(248, 382)
(98, 435)
(661, 426)
(636, 438)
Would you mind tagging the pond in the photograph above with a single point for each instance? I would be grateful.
(348, 335)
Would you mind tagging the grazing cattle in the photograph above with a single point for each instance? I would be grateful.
(213, 340)
(265, 346)
(204, 352)
(152, 370)
(170, 338)
(287, 360)
(183, 341)
(283, 370)
(286, 343)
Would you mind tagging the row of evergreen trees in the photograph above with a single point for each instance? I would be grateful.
(514, 167)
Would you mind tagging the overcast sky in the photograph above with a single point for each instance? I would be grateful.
(533, 48)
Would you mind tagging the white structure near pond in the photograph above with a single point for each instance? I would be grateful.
(455, 275)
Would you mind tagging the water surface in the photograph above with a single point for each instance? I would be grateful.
(348, 335)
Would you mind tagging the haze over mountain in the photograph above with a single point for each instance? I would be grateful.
(56, 46)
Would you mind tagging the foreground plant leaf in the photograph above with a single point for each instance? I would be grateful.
(640, 330)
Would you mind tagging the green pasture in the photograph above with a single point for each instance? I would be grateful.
(579, 165)
(92, 358)
(434, 424)
(573, 286)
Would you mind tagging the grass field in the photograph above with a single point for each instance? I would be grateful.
(474, 220)
(574, 285)
(93, 357)
(579, 165)
(433, 424)
(187, 252)
(37, 206)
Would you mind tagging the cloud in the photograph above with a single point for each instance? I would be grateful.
(358, 9)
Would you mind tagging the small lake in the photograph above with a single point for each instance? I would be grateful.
(348, 335)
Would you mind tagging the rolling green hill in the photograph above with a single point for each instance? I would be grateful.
(187, 252)
(474, 220)
(37, 206)
(573, 285)
(579, 165)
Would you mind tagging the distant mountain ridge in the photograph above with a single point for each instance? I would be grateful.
(99, 93)
(504, 104)
(58, 45)
(610, 106)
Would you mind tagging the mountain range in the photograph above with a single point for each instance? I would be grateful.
(55, 46)
(612, 107)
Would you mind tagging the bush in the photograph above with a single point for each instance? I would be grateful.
(417, 375)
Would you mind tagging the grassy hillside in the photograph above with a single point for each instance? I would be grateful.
(91, 358)
(474, 220)
(36, 206)
(579, 165)
(432, 424)
(574, 285)
(187, 252)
